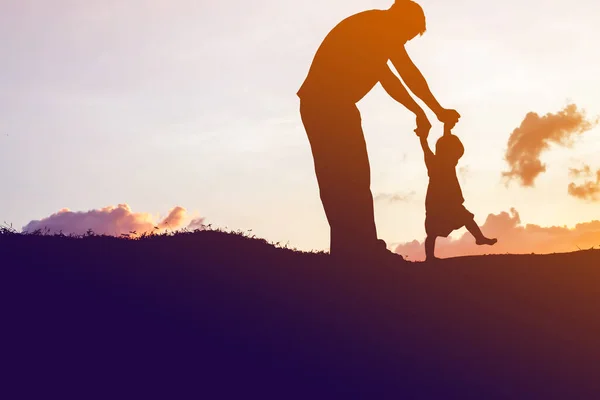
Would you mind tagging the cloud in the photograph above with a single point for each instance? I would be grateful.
(196, 223)
(513, 237)
(174, 219)
(394, 197)
(535, 135)
(109, 220)
(589, 190)
(584, 172)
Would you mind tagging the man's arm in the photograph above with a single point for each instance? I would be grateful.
(418, 85)
(394, 87)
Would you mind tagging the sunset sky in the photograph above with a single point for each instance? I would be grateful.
(158, 104)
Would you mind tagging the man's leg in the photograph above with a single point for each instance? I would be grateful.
(343, 173)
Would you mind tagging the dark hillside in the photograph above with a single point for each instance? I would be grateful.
(217, 315)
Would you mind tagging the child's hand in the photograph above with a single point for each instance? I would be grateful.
(448, 128)
(422, 134)
(423, 126)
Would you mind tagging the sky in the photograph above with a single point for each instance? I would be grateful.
(144, 109)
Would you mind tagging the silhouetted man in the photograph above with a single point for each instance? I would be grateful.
(348, 64)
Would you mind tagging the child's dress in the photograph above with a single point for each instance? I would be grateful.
(444, 207)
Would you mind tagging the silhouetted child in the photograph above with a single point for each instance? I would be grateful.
(444, 202)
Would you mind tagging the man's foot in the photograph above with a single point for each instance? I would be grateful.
(385, 256)
(484, 240)
(432, 259)
(376, 255)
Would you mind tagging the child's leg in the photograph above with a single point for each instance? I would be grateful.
(430, 247)
(480, 239)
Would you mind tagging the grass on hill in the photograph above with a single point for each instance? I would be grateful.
(214, 314)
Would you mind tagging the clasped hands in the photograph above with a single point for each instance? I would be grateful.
(446, 116)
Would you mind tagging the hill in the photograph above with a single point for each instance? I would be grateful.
(210, 314)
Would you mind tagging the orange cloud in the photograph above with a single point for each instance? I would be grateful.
(589, 190)
(534, 136)
(175, 218)
(585, 172)
(513, 237)
(109, 220)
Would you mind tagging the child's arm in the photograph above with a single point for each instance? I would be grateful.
(448, 129)
(426, 151)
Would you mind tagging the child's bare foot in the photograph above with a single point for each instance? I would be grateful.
(484, 240)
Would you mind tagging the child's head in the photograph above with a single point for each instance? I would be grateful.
(449, 148)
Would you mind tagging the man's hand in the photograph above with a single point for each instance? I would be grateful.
(423, 126)
(448, 116)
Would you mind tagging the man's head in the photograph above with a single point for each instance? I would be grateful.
(410, 17)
